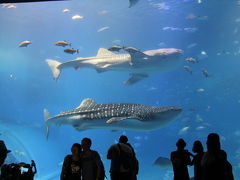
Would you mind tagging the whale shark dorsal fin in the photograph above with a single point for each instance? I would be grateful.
(104, 52)
(87, 102)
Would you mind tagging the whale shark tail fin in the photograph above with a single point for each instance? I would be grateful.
(46, 118)
(54, 65)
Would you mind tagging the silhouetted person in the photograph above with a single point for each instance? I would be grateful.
(180, 160)
(214, 161)
(71, 169)
(197, 158)
(3, 152)
(135, 164)
(122, 160)
(92, 166)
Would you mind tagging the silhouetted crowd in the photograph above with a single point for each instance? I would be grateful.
(85, 164)
(15, 171)
(209, 165)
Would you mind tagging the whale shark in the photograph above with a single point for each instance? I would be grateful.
(139, 64)
(114, 116)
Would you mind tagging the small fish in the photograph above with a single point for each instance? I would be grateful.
(203, 53)
(208, 108)
(199, 119)
(20, 153)
(24, 43)
(191, 16)
(200, 128)
(237, 20)
(116, 41)
(202, 18)
(192, 60)
(66, 10)
(138, 137)
(167, 28)
(191, 45)
(115, 48)
(190, 30)
(71, 51)
(77, 17)
(9, 6)
(205, 73)
(152, 88)
(188, 69)
(103, 28)
(103, 12)
(184, 130)
(62, 43)
(200, 90)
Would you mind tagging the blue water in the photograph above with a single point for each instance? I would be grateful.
(27, 87)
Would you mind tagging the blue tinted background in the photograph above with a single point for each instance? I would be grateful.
(27, 87)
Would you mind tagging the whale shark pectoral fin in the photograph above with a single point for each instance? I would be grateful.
(116, 119)
(77, 67)
(135, 78)
(100, 70)
(77, 127)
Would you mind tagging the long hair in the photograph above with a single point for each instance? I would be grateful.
(213, 142)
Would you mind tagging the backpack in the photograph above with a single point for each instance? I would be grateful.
(102, 174)
(125, 159)
(228, 171)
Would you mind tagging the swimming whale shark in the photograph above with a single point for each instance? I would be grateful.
(114, 116)
(139, 64)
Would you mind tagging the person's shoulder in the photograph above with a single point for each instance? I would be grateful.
(68, 157)
(95, 153)
(114, 146)
(223, 154)
(174, 152)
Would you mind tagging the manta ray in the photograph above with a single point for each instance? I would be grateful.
(138, 64)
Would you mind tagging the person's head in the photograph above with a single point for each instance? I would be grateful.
(181, 144)
(86, 143)
(3, 152)
(76, 149)
(197, 147)
(123, 139)
(213, 142)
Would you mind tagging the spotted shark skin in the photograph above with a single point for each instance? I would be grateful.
(114, 116)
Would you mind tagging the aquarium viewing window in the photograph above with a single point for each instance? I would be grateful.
(120, 88)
